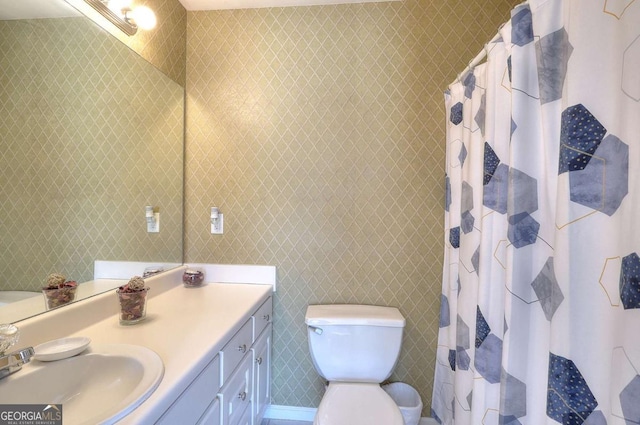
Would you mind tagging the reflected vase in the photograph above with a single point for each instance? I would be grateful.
(54, 298)
(133, 306)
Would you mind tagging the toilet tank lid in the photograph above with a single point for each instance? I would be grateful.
(353, 314)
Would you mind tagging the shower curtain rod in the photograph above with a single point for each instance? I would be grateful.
(483, 54)
(479, 58)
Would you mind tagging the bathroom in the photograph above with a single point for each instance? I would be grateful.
(318, 132)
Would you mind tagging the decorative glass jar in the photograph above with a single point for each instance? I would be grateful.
(133, 305)
(192, 278)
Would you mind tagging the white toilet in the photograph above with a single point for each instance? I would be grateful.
(355, 348)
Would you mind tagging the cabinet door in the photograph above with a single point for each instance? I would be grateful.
(262, 375)
(237, 394)
(213, 414)
(245, 419)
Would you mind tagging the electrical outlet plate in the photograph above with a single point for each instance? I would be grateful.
(154, 227)
(218, 227)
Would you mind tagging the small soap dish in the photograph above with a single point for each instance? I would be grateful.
(62, 348)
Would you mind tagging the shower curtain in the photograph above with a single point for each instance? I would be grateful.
(540, 306)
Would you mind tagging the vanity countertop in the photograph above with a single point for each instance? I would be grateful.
(186, 327)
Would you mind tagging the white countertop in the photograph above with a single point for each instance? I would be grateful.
(186, 327)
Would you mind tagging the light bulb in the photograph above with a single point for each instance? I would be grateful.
(143, 17)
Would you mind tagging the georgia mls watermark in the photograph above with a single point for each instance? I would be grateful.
(30, 414)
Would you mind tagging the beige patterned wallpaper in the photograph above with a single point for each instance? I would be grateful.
(90, 133)
(319, 133)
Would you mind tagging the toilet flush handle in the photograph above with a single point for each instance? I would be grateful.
(316, 330)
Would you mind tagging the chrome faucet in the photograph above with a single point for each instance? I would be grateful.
(12, 362)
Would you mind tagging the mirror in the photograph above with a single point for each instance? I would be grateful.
(90, 134)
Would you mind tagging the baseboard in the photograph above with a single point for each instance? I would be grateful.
(307, 414)
(290, 412)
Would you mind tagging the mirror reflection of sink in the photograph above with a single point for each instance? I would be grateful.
(99, 386)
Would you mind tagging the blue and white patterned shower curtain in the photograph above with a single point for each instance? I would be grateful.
(540, 316)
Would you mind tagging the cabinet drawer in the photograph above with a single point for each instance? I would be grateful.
(196, 398)
(262, 317)
(236, 396)
(236, 348)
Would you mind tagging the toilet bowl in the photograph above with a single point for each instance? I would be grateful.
(355, 348)
(347, 403)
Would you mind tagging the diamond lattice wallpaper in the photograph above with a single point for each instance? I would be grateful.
(319, 132)
(90, 133)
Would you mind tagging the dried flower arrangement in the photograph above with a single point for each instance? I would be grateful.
(132, 298)
(59, 290)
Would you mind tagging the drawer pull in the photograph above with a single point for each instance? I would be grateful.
(259, 360)
(266, 317)
(242, 348)
(242, 396)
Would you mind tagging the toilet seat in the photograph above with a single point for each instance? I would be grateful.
(354, 403)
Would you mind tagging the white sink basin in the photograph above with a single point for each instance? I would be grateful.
(99, 386)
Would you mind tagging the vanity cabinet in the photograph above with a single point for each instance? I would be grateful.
(246, 394)
(234, 388)
(196, 399)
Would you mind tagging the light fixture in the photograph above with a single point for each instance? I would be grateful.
(124, 15)
(140, 16)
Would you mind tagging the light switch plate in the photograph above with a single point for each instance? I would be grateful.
(218, 228)
(154, 227)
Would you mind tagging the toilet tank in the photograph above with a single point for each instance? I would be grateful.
(354, 343)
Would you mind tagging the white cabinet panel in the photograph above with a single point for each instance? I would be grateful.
(213, 415)
(262, 375)
(237, 394)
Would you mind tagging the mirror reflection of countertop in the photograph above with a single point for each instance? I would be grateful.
(19, 310)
